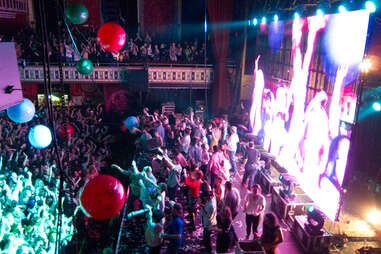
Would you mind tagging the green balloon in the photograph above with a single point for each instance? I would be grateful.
(77, 13)
(84, 66)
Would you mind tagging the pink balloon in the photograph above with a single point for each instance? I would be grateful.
(102, 197)
(111, 37)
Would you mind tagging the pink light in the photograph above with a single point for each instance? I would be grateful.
(334, 109)
(314, 147)
(255, 111)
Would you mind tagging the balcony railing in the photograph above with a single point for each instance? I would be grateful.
(157, 76)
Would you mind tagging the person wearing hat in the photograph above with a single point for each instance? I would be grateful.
(232, 142)
(209, 217)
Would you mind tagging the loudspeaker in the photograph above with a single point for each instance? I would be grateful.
(10, 85)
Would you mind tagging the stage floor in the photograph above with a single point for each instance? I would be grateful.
(290, 244)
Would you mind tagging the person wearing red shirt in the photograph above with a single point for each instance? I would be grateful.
(193, 182)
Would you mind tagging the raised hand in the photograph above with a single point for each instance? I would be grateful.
(116, 167)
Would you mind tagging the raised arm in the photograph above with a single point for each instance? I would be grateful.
(123, 171)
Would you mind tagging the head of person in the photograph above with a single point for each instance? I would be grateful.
(197, 174)
(157, 215)
(163, 187)
(270, 220)
(233, 129)
(251, 144)
(215, 149)
(256, 189)
(148, 170)
(177, 210)
(228, 186)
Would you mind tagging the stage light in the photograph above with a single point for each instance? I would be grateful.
(319, 12)
(342, 9)
(264, 20)
(315, 222)
(276, 18)
(296, 15)
(310, 208)
(370, 6)
(365, 65)
(374, 217)
(376, 106)
(54, 98)
(280, 177)
(249, 22)
(255, 21)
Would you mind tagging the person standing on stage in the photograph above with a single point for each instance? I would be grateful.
(250, 163)
(254, 206)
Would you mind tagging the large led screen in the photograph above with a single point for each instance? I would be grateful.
(302, 113)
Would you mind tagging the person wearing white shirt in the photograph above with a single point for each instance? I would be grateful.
(232, 142)
(209, 217)
(254, 207)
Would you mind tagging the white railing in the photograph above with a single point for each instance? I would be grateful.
(14, 6)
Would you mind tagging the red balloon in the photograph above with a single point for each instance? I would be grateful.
(111, 37)
(102, 197)
(65, 131)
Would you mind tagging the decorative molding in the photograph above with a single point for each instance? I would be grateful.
(188, 76)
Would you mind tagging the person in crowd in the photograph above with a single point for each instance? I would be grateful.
(216, 135)
(185, 141)
(232, 142)
(181, 158)
(195, 153)
(154, 231)
(232, 198)
(254, 207)
(250, 164)
(215, 165)
(272, 234)
(175, 230)
(219, 192)
(208, 212)
(160, 129)
(193, 182)
(175, 171)
(225, 236)
(205, 157)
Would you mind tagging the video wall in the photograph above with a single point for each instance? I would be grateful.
(304, 97)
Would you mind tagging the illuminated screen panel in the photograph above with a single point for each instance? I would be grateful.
(304, 103)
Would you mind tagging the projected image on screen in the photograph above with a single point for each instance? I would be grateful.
(305, 127)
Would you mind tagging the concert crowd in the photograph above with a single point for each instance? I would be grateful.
(179, 169)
